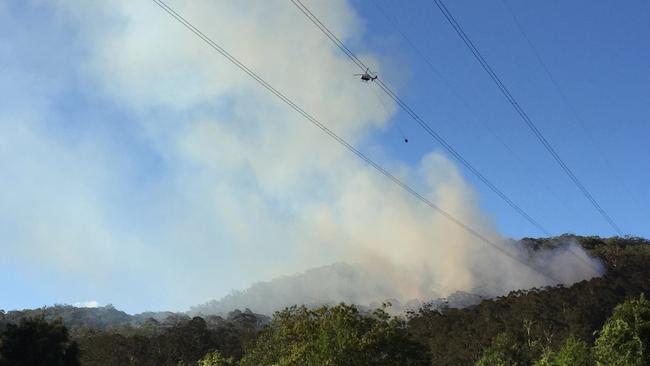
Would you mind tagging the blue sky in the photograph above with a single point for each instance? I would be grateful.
(595, 50)
(143, 170)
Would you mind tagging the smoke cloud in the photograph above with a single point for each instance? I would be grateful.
(192, 180)
(375, 282)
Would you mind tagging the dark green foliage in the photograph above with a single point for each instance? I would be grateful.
(625, 337)
(176, 339)
(73, 317)
(542, 327)
(215, 358)
(542, 318)
(574, 352)
(99, 318)
(107, 336)
(336, 336)
(36, 342)
(3, 320)
(505, 350)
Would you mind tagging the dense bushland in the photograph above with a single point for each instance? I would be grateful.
(604, 320)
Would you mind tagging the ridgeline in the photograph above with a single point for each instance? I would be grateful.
(525, 327)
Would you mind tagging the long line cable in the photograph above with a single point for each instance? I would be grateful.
(417, 118)
(462, 100)
(574, 112)
(431, 66)
(343, 142)
(408, 110)
(388, 112)
(524, 116)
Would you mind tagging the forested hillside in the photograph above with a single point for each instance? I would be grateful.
(540, 318)
(537, 326)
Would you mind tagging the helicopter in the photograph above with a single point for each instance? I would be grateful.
(367, 76)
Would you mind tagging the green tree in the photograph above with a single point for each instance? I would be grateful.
(335, 336)
(215, 358)
(505, 350)
(625, 338)
(35, 342)
(574, 352)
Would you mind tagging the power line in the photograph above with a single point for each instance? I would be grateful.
(460, 98)
(417, 118)
(511, 99)
(385, 108)
(407, 109)
(466, 104)
(342, 141)
(574, 112)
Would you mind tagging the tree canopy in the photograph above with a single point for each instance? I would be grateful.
(603, 321)
(36, 342)
(625, 337)
(335, 336)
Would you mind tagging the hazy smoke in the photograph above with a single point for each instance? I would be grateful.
(373, 283)
(86, 304)
(234, 187)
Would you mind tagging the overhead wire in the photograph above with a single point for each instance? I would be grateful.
(573, 111)
(392, 22)
(424, 125)
(406, 108)
(432, 67)
(343, 142)
(460, 98)
(524, 116)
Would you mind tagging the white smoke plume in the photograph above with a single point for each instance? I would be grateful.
(374, 283)
(243, 188)
(86, 304)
